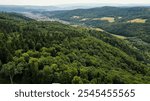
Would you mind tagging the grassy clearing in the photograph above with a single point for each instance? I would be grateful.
(84, 19)
(97, 29)
(138, 20)
(119, 36)
(75, 17)
(109, 19)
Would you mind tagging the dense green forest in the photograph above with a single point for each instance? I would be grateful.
(50, 52)
(120, 15)
(131, 22)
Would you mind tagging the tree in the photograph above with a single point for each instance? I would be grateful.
(0, 64)
(10, 69)
(47, 74)
(77, 80)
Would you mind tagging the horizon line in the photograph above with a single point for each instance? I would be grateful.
(81, 4)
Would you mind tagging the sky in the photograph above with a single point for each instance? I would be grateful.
(62, 2)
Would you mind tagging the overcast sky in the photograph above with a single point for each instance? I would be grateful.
(61, 2)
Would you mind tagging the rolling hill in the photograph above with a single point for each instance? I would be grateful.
(133, 23)
(51, 52)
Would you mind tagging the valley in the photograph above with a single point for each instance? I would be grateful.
(40, 17)
(104, 45)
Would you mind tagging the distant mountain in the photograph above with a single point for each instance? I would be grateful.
(9, 8)
(93, 5)
(103, 11)
(26, 8)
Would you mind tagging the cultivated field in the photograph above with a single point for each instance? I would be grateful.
(138, 20)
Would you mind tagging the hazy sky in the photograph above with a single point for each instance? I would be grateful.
(61, 2)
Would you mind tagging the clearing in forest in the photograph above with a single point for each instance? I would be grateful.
(109, 19)
(137, 20)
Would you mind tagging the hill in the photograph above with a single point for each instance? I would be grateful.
(51, 52)
(126, 21)
(21, 9)
(133, 23)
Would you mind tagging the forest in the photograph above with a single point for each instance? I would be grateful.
(133, 23)
(36, 52)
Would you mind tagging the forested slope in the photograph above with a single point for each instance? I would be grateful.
(119, 20)
(51, 52)
(131, 22)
